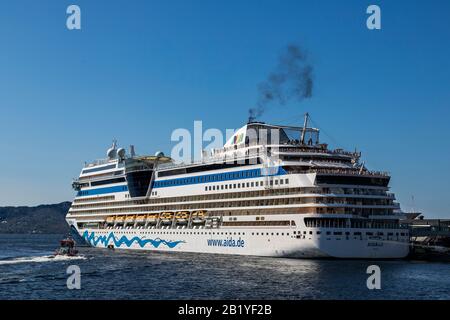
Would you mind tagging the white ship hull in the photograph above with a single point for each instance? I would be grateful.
(270, 242)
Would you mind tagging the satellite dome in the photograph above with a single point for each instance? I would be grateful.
(159, 154)
(121, 153)
(111, 153)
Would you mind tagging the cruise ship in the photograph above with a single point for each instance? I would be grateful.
(271, 190)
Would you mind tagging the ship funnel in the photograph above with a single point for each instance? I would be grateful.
(132, 152)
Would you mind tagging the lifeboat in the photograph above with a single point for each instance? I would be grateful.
(152, 217)
(167, 217)
(198, 216)
(130, 219)
(182, 216)
(140, 218)
(119, 219)
(110, 220)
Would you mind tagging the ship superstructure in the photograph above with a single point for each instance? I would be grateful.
(270, 191)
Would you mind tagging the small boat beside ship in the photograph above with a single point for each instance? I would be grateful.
(66, 248)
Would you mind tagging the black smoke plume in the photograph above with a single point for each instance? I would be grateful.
(292, 79)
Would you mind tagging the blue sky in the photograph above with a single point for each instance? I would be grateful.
(140, 69)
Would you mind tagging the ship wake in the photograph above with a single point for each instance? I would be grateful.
(40, 259)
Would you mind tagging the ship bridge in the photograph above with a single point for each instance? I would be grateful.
(260, 133)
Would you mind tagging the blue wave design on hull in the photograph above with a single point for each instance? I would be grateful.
(92, 239)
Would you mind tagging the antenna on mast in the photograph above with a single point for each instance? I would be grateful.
(361, 169)
(305, 124)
